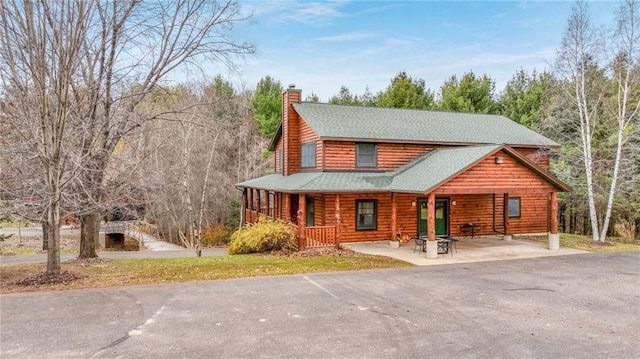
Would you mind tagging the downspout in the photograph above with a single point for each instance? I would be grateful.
(493, 225)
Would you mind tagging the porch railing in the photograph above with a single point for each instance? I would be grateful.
(250, 216)
(320, 236)
(316, 236)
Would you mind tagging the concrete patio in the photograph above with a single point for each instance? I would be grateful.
(478, 249)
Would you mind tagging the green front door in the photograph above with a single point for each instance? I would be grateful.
(442, 217)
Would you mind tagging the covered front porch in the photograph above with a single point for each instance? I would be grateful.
(445, 192)
(478, 249)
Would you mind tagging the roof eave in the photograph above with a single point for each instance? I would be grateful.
(454, 144)
(276, 138)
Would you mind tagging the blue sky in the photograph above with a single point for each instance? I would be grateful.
(321, 45)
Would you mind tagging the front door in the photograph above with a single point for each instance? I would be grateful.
(442, 217)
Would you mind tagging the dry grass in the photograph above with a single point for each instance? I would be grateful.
(123, 272)
(585, 243)
(29, 245)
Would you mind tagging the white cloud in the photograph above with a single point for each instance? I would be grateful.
(305, 12)
(346, 37)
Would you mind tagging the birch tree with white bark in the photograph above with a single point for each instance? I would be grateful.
(581, 50)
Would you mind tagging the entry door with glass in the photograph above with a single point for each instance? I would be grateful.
(442, 217)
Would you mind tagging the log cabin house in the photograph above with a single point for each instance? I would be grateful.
(351, 173)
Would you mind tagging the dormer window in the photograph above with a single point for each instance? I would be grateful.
(308, 155)
(366, 154)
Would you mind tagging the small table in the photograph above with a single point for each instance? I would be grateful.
(469, 228)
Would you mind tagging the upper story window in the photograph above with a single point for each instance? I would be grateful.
(366, 154)
(308, 155)
(280, 159)
(514, 207)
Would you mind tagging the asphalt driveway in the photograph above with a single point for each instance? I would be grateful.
(573, 306)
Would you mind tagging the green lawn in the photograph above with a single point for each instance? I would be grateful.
(119, 272)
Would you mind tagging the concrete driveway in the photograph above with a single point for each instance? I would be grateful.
(574, 306)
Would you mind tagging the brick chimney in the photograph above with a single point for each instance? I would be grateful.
(290, 130)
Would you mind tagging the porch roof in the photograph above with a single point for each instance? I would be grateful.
(418, 176)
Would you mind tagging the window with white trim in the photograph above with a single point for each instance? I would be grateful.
(366, 154)
(514, 207)
(308, 155)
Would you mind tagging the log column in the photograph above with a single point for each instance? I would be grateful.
(268, 204)
(243, 208)
(259, 200)
(302, 221)
(249, 205)
(432, 245)
(554, 236)
(394, 221)
(337, 221)
(505, 217)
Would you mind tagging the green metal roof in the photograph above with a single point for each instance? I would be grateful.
(393, 124)
(437, 167)
(418, 176)
(322, 182)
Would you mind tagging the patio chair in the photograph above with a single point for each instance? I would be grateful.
(452, 242)
(443, 246)
(419, 243)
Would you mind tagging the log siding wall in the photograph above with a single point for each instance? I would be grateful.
(341, 155)
(487, 176)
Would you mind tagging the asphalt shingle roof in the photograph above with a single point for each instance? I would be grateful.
(378, 123)
(418, 176)
(437, 167)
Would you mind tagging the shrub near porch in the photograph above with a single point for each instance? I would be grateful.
(264, 236)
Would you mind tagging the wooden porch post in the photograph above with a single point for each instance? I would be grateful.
(268, 204)
(259, 200)
(505, 217)
(249, 218)
(302, 221)
(394, 220)
(432, 245)
(554, 236)
(431, 217)
(337, 220)
(276, 205)
(243, 208)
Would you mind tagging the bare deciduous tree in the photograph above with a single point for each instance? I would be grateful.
(195, 158)
(73, 74)
(40, 44)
